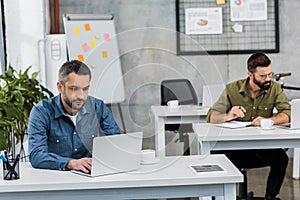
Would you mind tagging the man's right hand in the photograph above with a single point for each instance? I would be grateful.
(83, 164)
(235, 112)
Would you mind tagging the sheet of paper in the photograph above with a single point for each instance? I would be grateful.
(234, 124)
(244, 10)
(203, 21)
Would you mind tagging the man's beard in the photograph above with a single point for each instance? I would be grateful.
(262, 85)
(71, 104)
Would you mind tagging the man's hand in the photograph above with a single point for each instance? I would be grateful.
(256, 121)
(83, 164)
(235, 112)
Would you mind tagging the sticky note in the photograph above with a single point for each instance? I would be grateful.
(93, 65)
(76, 29)
(80, 57)
(85, 47)
(219, 2)
(93, 43)
(104, 54)
(87, 27)
(97, 36)
(106, 36)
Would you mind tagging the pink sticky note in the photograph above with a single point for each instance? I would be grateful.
(85, 47)
(106, 36)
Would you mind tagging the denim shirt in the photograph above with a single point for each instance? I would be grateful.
(53, 138)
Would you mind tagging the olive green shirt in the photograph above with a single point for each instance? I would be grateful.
(237, 94)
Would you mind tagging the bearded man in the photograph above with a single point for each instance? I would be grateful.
(253, 99)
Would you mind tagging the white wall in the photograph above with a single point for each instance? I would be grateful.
(25, 31)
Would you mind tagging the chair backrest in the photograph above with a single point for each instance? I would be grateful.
(178, 89)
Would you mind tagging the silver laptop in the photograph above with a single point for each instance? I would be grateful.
(115, 154)
(295, 116)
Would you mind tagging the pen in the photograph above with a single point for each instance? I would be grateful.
(3, 158)
(249, 125)
(5, 154)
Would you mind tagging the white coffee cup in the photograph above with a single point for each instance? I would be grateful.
(266, 123)
(148, 156)
(173, 103)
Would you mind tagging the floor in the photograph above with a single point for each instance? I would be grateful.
(290, 189)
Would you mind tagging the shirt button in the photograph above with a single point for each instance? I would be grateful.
(75, 149)
(252, 117)
(57, 140)
(266, 108)
(254, 107)
(74, 133)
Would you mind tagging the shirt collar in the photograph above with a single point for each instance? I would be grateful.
(244, 89)
(59, 111)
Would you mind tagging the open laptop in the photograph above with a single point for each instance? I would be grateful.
(115, 154)
(295, 116)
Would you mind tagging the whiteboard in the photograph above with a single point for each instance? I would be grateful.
(92, 40)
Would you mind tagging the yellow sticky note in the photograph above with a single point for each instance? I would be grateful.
(219, 2)
(87, 27)
(97, 36)
(93, 65)
(93, 43)
(104, 54)
(80, 57)
(76, 29)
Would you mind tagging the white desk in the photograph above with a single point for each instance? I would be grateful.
(170, 178)
(185, 114)
(211, 137)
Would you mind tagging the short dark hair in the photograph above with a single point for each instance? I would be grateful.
(73, 66)
(258, 60)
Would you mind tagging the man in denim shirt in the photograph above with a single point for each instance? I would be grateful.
(61, 129)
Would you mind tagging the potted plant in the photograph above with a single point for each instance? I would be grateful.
(18, 94)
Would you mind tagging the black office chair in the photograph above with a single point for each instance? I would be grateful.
(183, 91)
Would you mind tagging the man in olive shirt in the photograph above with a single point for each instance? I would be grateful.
(253, 99)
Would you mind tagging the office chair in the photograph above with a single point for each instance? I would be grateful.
(183, 91)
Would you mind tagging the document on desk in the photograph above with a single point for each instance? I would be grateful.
(206, 168)
(234, 124)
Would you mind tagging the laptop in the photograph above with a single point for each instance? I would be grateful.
(115, 154)
(295, 116)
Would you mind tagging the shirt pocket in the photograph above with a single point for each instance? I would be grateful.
(60, 145)
(265, 110)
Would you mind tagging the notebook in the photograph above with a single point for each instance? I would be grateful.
(115, 154)
(295, 116)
